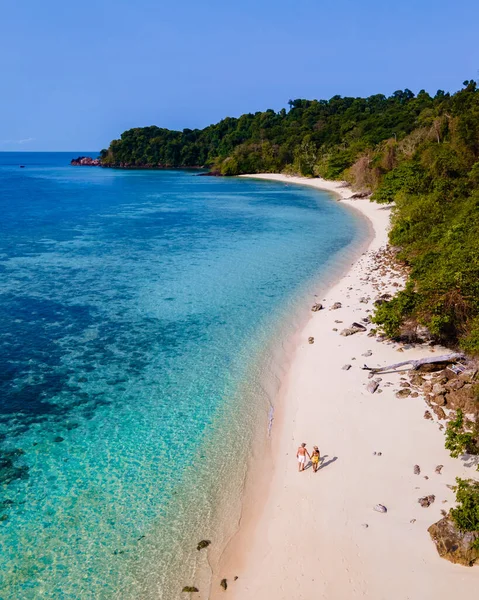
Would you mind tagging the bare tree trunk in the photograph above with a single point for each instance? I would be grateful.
(415, 364)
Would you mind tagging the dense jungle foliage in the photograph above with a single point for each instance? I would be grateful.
(421, 152)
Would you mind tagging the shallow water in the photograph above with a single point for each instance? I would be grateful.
(136, 309)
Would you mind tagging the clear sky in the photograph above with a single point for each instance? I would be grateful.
(75, 74)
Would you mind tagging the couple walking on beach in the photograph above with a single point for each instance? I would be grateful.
(301, 456)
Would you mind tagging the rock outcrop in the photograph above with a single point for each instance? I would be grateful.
(454, 545)
(85, 161)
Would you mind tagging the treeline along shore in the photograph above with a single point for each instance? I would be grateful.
(418, 153)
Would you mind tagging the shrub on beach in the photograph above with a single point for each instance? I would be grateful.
(460, 439)
(466, 514)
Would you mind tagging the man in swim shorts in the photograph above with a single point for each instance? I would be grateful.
(301, 456)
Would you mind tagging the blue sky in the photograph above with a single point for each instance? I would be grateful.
(74, 75)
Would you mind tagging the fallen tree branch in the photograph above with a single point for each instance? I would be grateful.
(415, 364)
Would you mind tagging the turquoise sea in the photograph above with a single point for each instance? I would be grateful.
(139, 311)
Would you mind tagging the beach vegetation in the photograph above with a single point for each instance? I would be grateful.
(461, 439)
(466, 514)
(392, 314)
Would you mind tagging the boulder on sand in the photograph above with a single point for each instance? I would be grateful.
(439, 400)
(438, 411)
(355, 328)
(454, 545)
(438, 389)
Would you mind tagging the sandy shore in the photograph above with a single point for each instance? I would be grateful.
(309, 536)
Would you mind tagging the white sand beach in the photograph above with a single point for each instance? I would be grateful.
(310, 536)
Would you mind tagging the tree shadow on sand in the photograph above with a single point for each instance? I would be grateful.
(470, 460)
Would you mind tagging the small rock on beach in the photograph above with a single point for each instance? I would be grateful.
(203, 544)
(426, 501)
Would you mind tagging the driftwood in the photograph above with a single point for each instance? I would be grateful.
(415, 364)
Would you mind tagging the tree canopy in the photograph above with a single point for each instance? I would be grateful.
(332, 132)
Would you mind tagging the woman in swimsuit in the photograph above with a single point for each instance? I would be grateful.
(301, 456)
(315, 456)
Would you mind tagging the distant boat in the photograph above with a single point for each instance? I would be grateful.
(22, 166)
